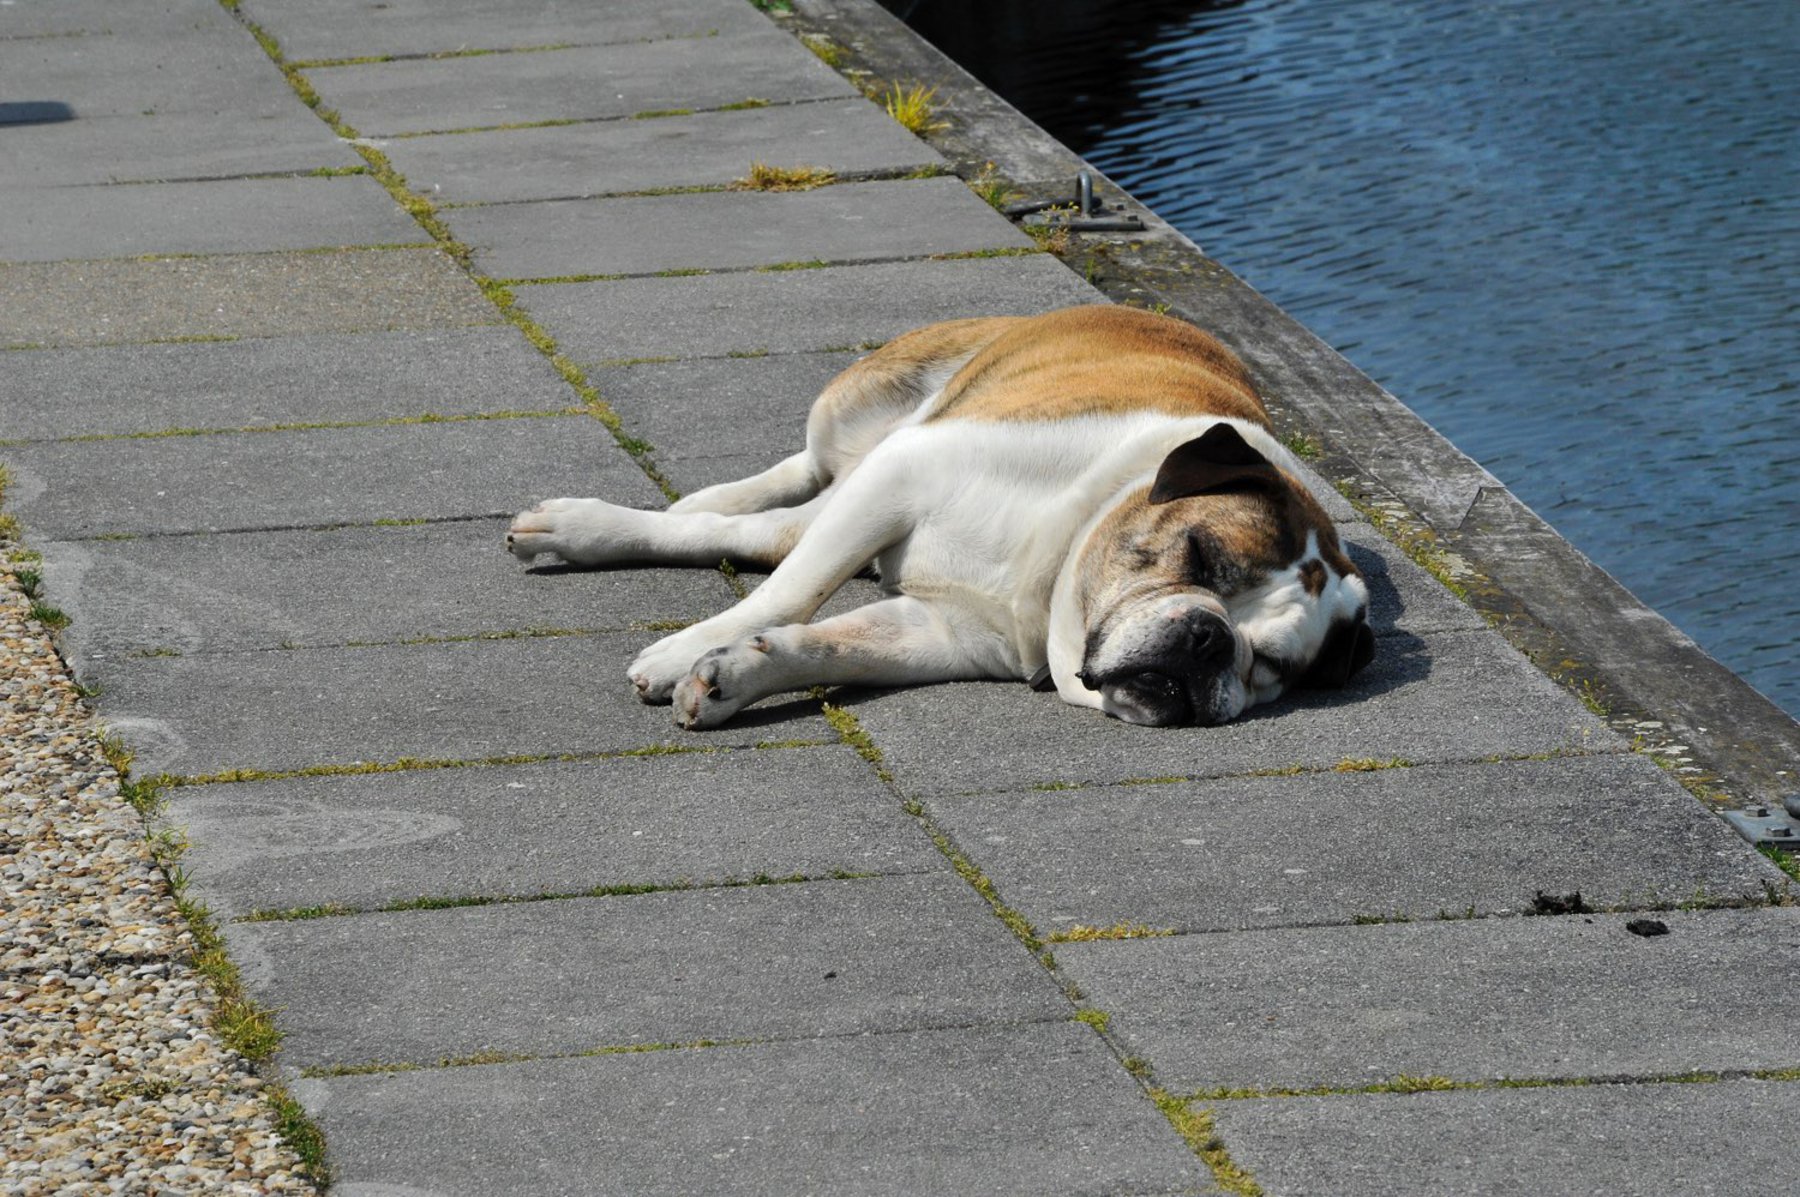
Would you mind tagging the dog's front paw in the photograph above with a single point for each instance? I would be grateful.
(580, 531)
(657, 670)
(720, 684)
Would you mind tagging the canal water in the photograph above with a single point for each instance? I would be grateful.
(1566, 234)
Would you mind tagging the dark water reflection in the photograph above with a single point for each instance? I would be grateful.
(1565, 234)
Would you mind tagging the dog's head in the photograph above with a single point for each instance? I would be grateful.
(1215, 588)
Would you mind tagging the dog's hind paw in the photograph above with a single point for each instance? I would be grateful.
(580, 531)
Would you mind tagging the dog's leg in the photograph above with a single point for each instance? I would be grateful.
(595, 532)
(852, 522)
(788, 484)
(896, 641)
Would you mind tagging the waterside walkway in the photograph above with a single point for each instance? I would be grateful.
(275, 377)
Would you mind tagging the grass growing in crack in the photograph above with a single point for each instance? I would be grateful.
(914, 106)
(1369, 764)
(1785, 861)
(1051, 238)
(763, 177)
(1008, 251)
(1417, 542)
(851, 731)
(1082, 933)
(408, 764)
(994, 190)
(1303, 446)
(479, 1059)
(242, 1024)
(826, 50)
(54, 618)
(1196, 1130)
(1098, 1019)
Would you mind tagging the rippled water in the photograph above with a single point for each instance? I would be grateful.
(1564, 233)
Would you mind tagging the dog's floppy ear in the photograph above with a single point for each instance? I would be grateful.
(1218, 460)
(1347, 648)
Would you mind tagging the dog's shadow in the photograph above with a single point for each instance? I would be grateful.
(1401, 659)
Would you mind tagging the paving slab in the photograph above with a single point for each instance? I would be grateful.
(1004, 1110)
(792, 311)
(221, 216)
(46, 304)
(722, 230)
(1482, 999)
(605, 157)
(679, 406)
(1448, 696)
(200, 66)
(557, 977)
(1330, 847)
(334, 29)
(263, 480)
(1730, 1139)
(64, 18)
(463, 701)
(167, 595)
(589, 83)
(138, 149)
(517, 831)
(275, 380)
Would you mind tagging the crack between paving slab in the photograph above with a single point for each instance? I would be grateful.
(423, 418)
(309, 251)
(333, 910)
(312, 64)
(1775, 895)
(319, 172)
(421, 764)
(1348, 765)
(743, 105)
(1406, 1084)
(965, 255)
(528, 633)
(484, 1059)
(251, 529)
(1351, 765)
(886, 174)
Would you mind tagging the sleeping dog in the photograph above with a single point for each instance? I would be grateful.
(1089, 499)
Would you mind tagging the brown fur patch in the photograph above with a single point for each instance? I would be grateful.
(1101, 359)
(1313, 577)
(889, 376)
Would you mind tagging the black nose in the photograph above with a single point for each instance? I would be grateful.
(1209, 641)
(1207, 636)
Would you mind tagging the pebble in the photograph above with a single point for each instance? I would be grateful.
(104, 1087)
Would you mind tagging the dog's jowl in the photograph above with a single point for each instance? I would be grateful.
(1090, 499)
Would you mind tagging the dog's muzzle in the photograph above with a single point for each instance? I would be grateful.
(1181, 668)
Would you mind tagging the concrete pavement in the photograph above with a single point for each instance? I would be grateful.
(263, 420)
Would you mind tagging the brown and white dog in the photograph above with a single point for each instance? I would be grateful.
(1089, 499)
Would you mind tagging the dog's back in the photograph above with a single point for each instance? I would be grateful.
(1097, 360)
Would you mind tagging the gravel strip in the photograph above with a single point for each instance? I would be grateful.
(111, 1080)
